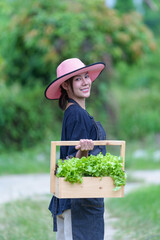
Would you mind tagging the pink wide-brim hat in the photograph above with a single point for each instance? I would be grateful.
(70, 68)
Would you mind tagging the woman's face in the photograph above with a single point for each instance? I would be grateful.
(81, 86)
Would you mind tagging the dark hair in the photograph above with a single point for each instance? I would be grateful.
(63, 100)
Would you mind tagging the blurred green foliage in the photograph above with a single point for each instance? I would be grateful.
(152, 15)
(135, 91)
(37, 35)
(149, 9)
(137, 214)
(24, 116)
(28, 217)
(138, 112)
(127, 7)
(40, 34)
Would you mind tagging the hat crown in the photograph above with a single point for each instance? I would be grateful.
(68, 66)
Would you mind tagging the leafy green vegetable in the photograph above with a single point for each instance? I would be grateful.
(74, 169)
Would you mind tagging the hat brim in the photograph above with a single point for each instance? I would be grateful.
(53, 91)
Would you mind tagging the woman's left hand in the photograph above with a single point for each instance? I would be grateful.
(84, 146)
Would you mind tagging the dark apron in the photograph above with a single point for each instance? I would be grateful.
(88, 213)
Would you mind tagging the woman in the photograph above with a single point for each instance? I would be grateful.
(77, 219)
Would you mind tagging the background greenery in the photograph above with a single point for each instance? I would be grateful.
(26, 219)
(136, 219)
(140, 215)
(36, 36)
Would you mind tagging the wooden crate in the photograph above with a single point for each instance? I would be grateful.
(92, 187)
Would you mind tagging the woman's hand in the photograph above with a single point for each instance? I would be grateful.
(84, 146)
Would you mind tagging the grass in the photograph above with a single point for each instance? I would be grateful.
(141, 154)
(138, 214)
(26, 220)
(32, 160)
(138, 217)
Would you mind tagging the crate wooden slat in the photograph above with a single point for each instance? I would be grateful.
(92, 187)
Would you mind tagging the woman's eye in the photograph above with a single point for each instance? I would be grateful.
(86, 76)
(77, 79)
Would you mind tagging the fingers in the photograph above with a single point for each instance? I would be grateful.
(85, 145)
(78, 147)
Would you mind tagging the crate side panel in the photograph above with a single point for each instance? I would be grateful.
(91, 187)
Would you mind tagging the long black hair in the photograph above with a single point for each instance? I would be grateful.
(63, 100)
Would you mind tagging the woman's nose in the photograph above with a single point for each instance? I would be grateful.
(84, 80)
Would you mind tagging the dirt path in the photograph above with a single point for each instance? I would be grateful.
(14, 187)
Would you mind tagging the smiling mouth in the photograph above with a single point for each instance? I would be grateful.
(85, 90)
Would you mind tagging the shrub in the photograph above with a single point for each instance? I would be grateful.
(138, 112)
(144, 74)
(25, 118)
(40, 34)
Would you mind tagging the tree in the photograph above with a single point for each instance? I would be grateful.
(39, 35)
(125, 7)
